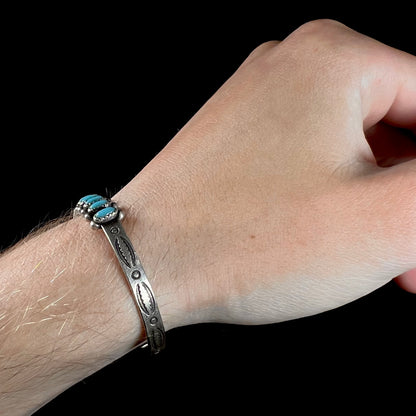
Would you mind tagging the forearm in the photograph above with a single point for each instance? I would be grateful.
(65, 312)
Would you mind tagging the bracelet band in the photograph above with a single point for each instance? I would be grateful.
(105, 214)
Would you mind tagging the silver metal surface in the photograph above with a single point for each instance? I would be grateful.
(139, 284)
(129, 261)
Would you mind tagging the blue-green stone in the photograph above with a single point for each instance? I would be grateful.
(102, 203)
(92, 199)
(86, 198)
(104, 212)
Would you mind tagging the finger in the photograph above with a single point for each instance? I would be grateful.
(390, 145)
(388, 86)
(384, 77)
(366, 81)
(388, 93)
(407, 281)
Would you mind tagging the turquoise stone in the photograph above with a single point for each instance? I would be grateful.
(104, 212)
(99, 204)
(92, 199)
(88, 197)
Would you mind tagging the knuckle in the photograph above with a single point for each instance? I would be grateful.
(321, 27)
(323, 36)
(266, 46)
(313, 40)
(263, 49)
(326, 49)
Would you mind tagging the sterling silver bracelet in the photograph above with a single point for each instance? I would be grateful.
(105, 214)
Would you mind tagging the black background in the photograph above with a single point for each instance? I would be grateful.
(75, 79)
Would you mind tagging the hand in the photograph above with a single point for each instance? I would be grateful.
(291, 192)
(274, 201)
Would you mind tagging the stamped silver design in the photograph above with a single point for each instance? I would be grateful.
(105, 214)
(125, 251)
(146, 299)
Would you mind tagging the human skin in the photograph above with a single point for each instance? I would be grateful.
(291, 192)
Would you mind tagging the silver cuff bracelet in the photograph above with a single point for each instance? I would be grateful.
(105, 214)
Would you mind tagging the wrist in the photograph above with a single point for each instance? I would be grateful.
(147, 232)
(162, 235)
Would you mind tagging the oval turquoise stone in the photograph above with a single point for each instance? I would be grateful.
(103, 213)
(99, 204)
(92, 199)
(86, 198)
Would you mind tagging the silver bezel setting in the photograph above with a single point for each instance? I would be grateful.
(83, 208)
